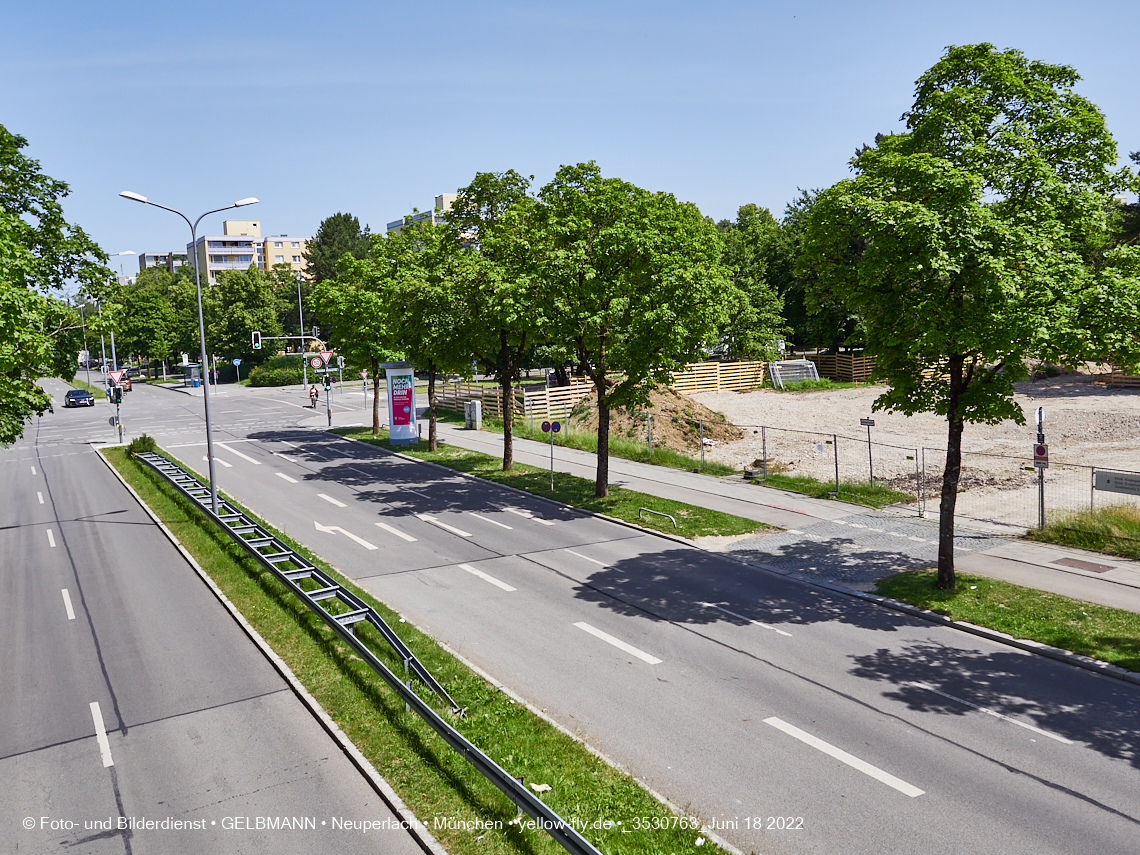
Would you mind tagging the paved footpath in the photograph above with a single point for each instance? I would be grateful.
(822, 540)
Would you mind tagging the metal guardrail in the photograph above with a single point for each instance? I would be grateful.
(667, 516)
(276, 556)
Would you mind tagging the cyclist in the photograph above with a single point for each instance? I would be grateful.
(314, 395)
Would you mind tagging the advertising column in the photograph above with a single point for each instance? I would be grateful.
(401, 404)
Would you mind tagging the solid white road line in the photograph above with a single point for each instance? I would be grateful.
(485, 577)
(451, 528)
(40, 496)
(239, 454)
(994, 714)
(67, 604)
(332, 501)
(588, 558)
(491, 521)
(529, 516)
(843, 757)
(219, 460)
(286, 477)
(51, 539)
(618, 643)
(742, 617)
(396, 532)
(101, 735)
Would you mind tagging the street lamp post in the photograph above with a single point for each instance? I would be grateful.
(201, 321)
(301, 316)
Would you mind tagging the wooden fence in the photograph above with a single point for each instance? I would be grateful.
(558, 401)
(843, 367)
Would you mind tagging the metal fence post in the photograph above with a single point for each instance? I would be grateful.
(649, 431)
(835, 445)
(701, 430)
(764, 449)
(918, 486)
(1092, 491)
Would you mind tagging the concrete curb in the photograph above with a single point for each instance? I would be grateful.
(419, 831)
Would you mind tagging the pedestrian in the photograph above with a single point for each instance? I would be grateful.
(313, 396)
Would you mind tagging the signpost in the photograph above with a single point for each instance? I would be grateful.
(116, 378)
(237, 367)
(1041, 461)
(551, 428)
(869, 423)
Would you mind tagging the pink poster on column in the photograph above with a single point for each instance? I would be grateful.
(402, 400)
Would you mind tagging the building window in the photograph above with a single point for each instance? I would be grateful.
(244, 259)
(279, 259)
(296, 259)
(217, 259)
(296, 244)
(277, 244)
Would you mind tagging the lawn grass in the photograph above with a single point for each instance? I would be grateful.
(1112, 530)
(431, 778)
(1111, 635)
(622, 504)
(99, 392)
(857, 492)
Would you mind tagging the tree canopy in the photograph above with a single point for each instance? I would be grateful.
(978, 239)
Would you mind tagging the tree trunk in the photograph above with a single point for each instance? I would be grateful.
(375, 397)
(433, 441)
(602, 479)
(950, 476)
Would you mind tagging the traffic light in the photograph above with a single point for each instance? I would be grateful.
(256, 340)
(328, 382)
(117, 395)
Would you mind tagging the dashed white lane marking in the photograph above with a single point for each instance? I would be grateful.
(417, 492)
(618, 643)
(239, 454)
(856, 525)
(742, 617)
(489, 520)
(486, 578)
(843, 757)
(332, 501)
(33, 470)
(871, 528)
(916, 539)
(101, 735)
(219, 460)
(588, 558)
(284, 457)
(528, 515)
(40, 496)
(67, 604)
(286, 477)
(451, 528)
(51, 539)
(993, 713)
(396, 532)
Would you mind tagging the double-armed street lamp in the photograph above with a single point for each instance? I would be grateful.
(201, 321)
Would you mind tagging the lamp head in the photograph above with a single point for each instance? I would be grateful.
(127, 194)
(250, 201)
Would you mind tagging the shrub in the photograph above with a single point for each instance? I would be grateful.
(267, 376)
(141, 444)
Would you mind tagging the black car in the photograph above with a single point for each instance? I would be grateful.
(79, 398)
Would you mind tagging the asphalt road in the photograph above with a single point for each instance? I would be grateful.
(131, 696)
(792, 719)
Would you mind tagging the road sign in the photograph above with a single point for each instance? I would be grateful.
(867, 422)
(1041, 455)
(545, 427)
(340, 361)
(1117, 482)
(326, 355)
(237, 362)
(555, 426)
(316, 362)
(116, 376)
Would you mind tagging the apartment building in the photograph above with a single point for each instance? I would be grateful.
(284, 249)
(169, 261)
(242, 244)
(443, 204)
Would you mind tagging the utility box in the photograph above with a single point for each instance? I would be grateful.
(473, 415)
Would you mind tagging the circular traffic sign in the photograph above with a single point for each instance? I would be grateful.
(556, 427)
(316, 362)
(545, 427)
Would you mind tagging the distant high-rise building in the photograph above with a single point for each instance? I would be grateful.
(443, 203)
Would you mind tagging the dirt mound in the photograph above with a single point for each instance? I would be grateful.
(675, 420)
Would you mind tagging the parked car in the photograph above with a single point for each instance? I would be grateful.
(78, 398)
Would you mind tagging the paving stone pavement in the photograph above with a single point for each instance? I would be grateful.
(858, 550)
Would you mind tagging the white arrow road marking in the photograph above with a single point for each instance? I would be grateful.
(742, 617)
(332, 529)
(101, 735)
(239, 454)
(67, 604)
(491, 521)
(396, 532)
(451, 528)
(286, 477)
(485, 577)
(994, 714)
(219, 460)
(843, 757)
(529, 516)
(333, 501)
(618, 643)
(51, 539)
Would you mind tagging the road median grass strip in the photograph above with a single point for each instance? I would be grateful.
(622, 504)
(1110, 635)
(1111, 530)
(856, 492)
(445, 792)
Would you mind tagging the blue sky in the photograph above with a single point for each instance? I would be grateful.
(374, 107)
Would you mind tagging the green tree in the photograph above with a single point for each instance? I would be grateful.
(637, 284)
(241, 302)
(493, 219)
(978, 239)
(337, 236)
(39, 252)
(751, 244)
(147, 321)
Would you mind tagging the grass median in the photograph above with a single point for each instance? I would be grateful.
(692, 521)
(1111, 635)
(1114, 530)
(435, 783)
(856, 492)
